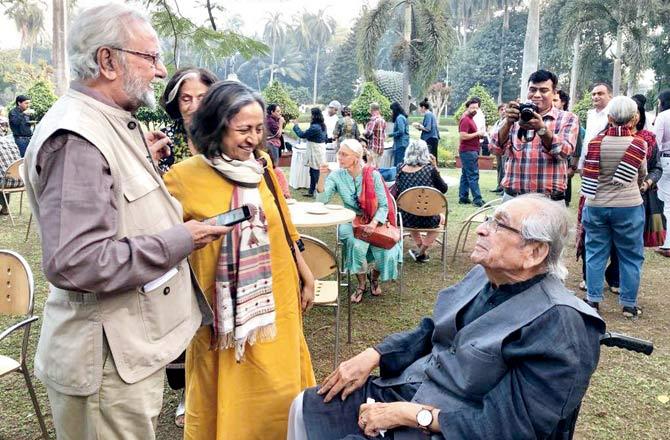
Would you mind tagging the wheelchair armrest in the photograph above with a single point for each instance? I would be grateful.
(627, 342)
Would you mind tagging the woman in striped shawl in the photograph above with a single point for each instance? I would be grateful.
(614, 168)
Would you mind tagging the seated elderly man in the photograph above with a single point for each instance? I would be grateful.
(507, 354)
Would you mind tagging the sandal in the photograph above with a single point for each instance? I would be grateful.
(357, 296)
(375, 290)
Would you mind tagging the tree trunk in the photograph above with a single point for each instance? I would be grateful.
(574, 71)
(616, 76)
(59, 53)
(530, 45)
(272, 66)
(501, 61)
(316, 73)
(407, 41)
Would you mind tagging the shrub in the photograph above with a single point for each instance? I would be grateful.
(42, 97)
(581, 108)
(275, 93)
(360, 107)
(488, 105)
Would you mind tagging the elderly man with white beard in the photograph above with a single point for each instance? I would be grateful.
(122, 302)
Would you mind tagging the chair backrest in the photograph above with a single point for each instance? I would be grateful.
(13, 172)
(423, 201)
(320, 259)
(16, 284)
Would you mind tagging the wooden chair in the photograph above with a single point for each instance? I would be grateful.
(426, 201)
(17, 298)
(322, 261)
(22, 173)
(477, 217)
(12, 172)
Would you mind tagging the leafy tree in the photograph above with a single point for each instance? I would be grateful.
(488, 105)
(478, 61)
(299, 94)
(427, 39)
(274, 32)
(342, 72)
(29, 19)
(360, 107)
(42, 97)
(275, 93)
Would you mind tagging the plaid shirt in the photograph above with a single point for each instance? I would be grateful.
(376, 129)
(530, 166)
(9, 153)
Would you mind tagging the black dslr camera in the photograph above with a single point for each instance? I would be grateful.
(526, 110)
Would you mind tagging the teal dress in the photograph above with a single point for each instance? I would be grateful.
(358, 253)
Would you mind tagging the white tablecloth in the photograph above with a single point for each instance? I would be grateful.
(299, 174)
(387, 158)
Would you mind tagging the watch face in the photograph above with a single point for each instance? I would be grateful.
(424, 418)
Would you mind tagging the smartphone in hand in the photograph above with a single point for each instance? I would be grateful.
(233, 217)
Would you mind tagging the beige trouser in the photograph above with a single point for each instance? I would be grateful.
(117, 411)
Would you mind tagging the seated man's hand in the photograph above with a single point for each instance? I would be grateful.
(373, 417)
(350, 375)
(159, 145)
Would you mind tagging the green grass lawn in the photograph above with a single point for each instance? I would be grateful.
(621, 403)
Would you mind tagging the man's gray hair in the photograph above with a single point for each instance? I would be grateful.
(548, 223)
(105, 25)
(622, 109)
(417, 153)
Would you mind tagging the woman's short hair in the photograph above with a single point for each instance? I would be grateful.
(664, 100)
(425, 104)
(171, 106)
(417, 153)
(622, 109)
(211, 121)
(95, 27)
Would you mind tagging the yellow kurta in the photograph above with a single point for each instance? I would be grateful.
(247, 400)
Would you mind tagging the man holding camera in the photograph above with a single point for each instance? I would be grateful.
(538, 139)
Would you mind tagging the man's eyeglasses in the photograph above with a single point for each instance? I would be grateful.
(153, 58)
(494, 224)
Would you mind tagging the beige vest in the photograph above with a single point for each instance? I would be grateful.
(145, 330)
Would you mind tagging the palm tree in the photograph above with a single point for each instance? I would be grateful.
(426, 39)
(58, 52)
(315, 31)
(274, 32)
(286, 63)
(531, 44)
(28, 17)
(622, 22)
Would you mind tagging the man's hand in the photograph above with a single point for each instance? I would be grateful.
(645, 185)
(159, 145)
(350, 375)
(203, 234)
(373, 417)
(512, 113)
(571, 172)
(534, 123)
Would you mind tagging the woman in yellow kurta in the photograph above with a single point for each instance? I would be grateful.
(243, 391)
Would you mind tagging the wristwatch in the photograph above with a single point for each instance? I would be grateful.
(542, 131)
(424, 418)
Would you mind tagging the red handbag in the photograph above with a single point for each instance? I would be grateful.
(384, 236)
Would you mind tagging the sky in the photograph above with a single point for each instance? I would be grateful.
(253, 13)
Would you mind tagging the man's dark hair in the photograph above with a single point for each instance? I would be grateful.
(602, 83)
(473, 100)
(21, 98)
(397, 110)
(172, 107)
(565, 99)
(346, 111)
(664, 100)
(317, 117)
(640, 100)
(542, 76)
(425, 104)
(211, 121)
(271, 108)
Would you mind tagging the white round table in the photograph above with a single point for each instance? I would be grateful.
(303, 219)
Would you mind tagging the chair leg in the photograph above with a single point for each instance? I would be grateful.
(337, 334)
(444, 255)
(349, 307)
(458, 241)
(11, 217)
(21, 204)
(30, 220)
(465, 237)
(36, 404)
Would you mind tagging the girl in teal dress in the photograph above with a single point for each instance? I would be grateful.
(348, 183)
